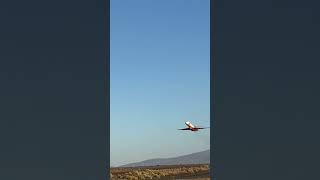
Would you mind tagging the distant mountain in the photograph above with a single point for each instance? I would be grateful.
(202, 157)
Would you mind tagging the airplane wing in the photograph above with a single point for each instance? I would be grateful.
(203, 127)
(184, 129)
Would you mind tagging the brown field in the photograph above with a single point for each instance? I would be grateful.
(199, 172)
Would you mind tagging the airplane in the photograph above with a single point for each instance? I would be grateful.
(191, 127)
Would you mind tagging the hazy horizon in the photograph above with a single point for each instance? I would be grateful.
(161, 158)
(160, 57)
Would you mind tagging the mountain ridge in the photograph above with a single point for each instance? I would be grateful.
(202, 157)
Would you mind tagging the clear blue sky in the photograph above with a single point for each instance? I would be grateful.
(160, 78)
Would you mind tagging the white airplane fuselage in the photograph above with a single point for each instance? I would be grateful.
(191, 126)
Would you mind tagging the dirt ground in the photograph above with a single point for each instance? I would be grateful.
(178, 172)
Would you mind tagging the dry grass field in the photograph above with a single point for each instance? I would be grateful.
(199, 172)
